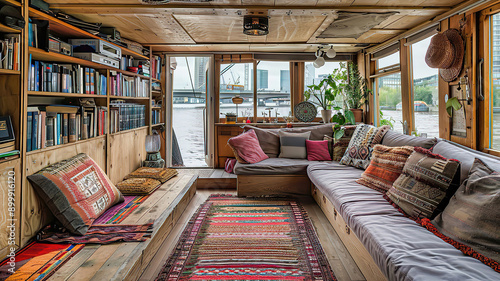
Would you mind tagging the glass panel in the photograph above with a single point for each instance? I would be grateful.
(425, 91)
(273, 89)
(236, 79)
(495, 83)
(388, 61)
(389, 98)
(189, 83)
(314, 75)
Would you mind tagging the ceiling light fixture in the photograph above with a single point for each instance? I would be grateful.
(255, 25)
(320, 55)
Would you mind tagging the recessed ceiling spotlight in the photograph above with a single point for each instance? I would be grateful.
(255, 25)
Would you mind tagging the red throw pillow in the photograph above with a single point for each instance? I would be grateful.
(247, 148)
(318, 150)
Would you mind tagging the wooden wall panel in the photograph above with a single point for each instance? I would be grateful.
(10, 176)
(126, 152)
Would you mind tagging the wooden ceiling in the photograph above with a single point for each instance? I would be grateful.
(216, 26)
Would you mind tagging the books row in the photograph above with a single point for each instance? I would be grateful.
(127, 86)
(126, 116)
(59, 124)
(156, 116)
(156, 67)
(66, 78)
(10, 52)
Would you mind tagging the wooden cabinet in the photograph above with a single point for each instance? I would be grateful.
(10, 200)
(224, 133)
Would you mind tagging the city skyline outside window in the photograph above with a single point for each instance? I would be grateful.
(236, 79)
(495, 82)
(273, 88)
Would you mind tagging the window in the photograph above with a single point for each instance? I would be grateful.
(314, 75)
(425, 91)
(236, 79)
(273, 89)
(388, 90)
(390, 60)
(495, 84)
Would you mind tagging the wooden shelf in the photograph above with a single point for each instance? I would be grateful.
(156, 107)
(129, 98)
(159, 124)
(62, 145)
(129, 73)
(11, 2)
(129, 130)
(155, 80)
(71, 31)
(10, 72)
(10, 158)
(65, 95)
(6, 29)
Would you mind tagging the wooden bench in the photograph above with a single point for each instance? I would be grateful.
(259, 185)
(127, 261)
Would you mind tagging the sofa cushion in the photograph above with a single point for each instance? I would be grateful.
(269, 140)
(466, 156)
(426, 184)
(317, 132)
(472, 217)
(318, 151)
(273, 166)
(389, 237)
(77, 191)
(360, 148)
(385, 167)
(293, 145)
(246, 147)
(340, 145)
(393, 138)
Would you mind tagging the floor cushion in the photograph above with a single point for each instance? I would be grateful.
(138, 186)
(161, 174)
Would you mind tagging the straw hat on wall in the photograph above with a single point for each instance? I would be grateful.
(446, 52)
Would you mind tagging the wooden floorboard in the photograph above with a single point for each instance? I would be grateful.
(343, 265)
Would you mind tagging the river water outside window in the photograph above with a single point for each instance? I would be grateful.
(495, 82)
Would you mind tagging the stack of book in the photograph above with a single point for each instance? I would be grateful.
(50, 125)
(126, 116)
(143, 67)
(127, 86)
(10, 52)
(7, 139)
(66, 78)
(156, 67)
(126, 61)
(156, 116)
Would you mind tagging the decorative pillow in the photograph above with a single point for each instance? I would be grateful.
(385, 167)
(359, 151)
(318, 150)
(472, 216)
(269, 140)
(76, 191)
(330, 144)
(427, 182)
(161, 174)
(293, 145)
(340, 145)
(246, 148)
(138, 186)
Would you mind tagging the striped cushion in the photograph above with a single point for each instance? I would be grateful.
(426, 184)
(293, 145)
(385, 167)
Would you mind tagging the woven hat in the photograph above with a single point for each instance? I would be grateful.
(446, 52)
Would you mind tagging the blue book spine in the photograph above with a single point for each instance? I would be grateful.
(37, 75)
(34, 133)
(29, 131)
(58, 129)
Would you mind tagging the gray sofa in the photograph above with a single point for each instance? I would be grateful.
(402, 249)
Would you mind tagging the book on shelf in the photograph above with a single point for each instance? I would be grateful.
(156, 67)
(156, 116)
(65, 78)
(126, 116)
(7, 154)
(10, 55)
(128, 86)
(50, 125)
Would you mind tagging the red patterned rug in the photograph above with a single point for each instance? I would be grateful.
(231, 238)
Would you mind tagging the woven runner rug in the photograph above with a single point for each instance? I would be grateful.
(231, 238)
(120, 211)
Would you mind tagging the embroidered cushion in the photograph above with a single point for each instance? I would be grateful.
(246, 148)
(359, 151)
(318, 150)
(427, 182)
(293, 145)
(76, 191)
(138, 186)
(340, 145)
(161, 174)
(385, 167)
(472, 216)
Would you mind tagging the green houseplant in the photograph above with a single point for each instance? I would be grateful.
(323, 95)
(356, 91)
(341, 119)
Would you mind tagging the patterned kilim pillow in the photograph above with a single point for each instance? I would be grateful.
(138, 186)
(293, 145)
(359, 151)
(427, 182)
(340, 145)
(385, 167)
(161, 174)
(76, 191)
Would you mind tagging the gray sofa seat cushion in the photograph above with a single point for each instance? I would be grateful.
(394, 139)
(466, 156)
(401, 248)
(274, 166)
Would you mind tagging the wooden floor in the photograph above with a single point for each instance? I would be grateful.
(341, 262)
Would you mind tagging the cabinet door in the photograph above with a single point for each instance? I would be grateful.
(10, 190)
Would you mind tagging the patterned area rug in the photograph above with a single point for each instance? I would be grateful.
(231, 238)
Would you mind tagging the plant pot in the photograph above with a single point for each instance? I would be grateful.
(358, 114)
(326, 115)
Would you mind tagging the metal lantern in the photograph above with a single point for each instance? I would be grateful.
(153, 143)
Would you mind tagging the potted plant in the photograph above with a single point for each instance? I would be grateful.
(356, 91)
(323, 95)
(341, 120)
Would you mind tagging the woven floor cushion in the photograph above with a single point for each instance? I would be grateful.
(161, 174)
(138, 186)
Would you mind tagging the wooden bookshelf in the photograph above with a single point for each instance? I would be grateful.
(54, 147)
(155, 80)
(159, 124)
(9, 72)
(6, 29)
(9, 159)
(64, 95)
(156, 107)
(128, 98)
(71, 31)
(11, 2)
(129, 130)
